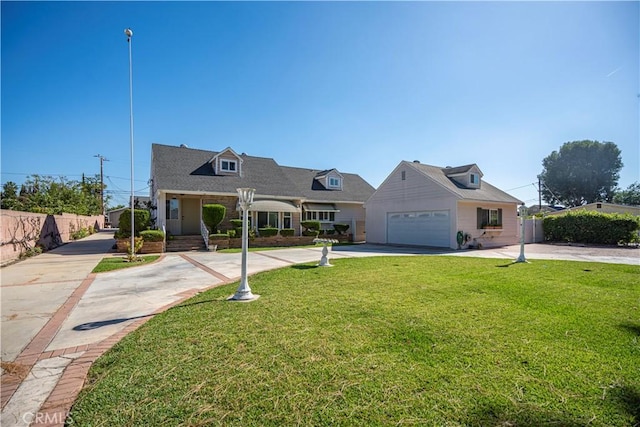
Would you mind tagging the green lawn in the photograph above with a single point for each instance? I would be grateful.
(386, 341)
(117, 263)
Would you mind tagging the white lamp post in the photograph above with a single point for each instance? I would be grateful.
(245, 200)
(522, 258)
(129, 34)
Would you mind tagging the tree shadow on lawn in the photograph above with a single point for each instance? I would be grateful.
(633, 328)
(496, 414)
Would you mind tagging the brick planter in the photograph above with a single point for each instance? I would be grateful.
(147, 247)
(152, 248)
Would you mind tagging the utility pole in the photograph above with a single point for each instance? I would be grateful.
(102, 160)
(539, 195)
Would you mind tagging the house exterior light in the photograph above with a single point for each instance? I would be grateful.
(521, 257)
(245, 200)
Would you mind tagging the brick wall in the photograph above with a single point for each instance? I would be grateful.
(21, 231)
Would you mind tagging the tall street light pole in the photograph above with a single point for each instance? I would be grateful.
(129, 34)
(245, 200)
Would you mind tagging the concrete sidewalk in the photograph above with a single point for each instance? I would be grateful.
(58, 318)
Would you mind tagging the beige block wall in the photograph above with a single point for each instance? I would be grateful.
(24, 230)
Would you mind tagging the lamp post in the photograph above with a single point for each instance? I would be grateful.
(245, 200)
(522, 258)
(129, 34)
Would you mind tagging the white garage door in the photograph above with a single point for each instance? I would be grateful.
(427, 228)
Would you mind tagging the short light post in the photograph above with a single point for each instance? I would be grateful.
(245, 200)
(522, 258)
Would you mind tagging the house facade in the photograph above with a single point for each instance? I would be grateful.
(183, 179)
(426, 205)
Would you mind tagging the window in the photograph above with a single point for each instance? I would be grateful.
(228, 165)
(172, 209)
(473, 179)
(335, 182)
(489, 218)
(286, 220)
(323, 216)
(268, 219)
(404, 175)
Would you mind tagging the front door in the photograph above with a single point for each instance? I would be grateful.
(173, 217)
(190, 216)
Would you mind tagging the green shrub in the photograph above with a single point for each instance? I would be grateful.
(236, 223)
(80, 234)
(152, 235)
(237, 232)
(341, 228)
(141, 218)
(312, 233)
(330, 232)
(268, 232)
(311, 225)
(219, 236)
(231, 233)
(287, 232)
(212, 216)
(591, 227)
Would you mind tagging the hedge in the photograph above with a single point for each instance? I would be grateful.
(341, 228)
(311, 225)
(591, 227)
(141, 218)
(152, 235)
(268, 232)
(287, 232)
(212, 216)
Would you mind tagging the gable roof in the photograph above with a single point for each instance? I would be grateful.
(486, 192)
(182, 169)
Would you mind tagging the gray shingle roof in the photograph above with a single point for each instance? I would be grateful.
(486, 192)
(177, 169)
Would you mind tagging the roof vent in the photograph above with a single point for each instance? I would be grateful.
(416, 161)
(183, 146)
(447, 167)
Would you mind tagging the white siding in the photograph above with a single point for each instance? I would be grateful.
(468, 223)
(415, 193)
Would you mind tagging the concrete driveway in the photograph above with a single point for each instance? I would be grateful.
(58, 318)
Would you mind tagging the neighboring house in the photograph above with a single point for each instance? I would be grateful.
(424, 205)
(602, 207)
(183, 179)
(113, 216)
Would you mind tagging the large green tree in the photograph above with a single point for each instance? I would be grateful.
(46, 194)
(630, 196)
(581, 172)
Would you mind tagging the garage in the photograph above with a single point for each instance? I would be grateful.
(425, 228)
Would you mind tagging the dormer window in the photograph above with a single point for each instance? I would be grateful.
(335, 182)
(227, 162)
(474, 179)
(228, 165)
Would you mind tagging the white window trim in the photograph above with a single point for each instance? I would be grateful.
(317, 215)
(337, 180)
(229, 163)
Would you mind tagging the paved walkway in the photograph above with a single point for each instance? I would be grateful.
(58, 317)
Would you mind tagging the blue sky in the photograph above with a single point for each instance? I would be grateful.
(357, 86)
